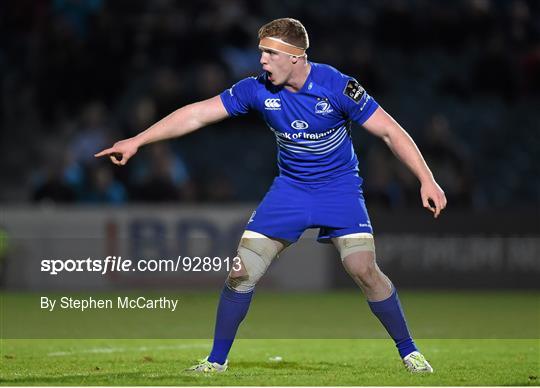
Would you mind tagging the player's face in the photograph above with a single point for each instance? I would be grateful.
(278, 66)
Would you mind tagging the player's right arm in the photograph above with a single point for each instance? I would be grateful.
(179, 123)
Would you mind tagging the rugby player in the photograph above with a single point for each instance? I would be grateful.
(309, 107)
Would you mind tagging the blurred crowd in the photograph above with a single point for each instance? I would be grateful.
(462, 77)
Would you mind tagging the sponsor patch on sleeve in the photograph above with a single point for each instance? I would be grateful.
(354, 90)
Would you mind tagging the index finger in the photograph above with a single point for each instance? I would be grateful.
(108, 151)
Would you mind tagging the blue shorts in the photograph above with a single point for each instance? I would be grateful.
(290, 207)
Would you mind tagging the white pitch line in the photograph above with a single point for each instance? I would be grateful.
(122, 350)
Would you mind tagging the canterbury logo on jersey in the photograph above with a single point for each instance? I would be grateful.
(272, 104)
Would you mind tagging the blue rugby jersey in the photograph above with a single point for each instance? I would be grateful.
(312, 126)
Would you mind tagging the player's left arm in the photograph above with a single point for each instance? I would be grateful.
(381, 124)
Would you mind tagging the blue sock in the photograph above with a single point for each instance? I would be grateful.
(233, 307)
(391, 316)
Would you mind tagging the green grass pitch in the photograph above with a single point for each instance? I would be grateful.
(305, 362)
(470, 338)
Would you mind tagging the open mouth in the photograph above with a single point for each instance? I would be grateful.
(269, 75)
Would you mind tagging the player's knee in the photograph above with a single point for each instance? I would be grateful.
(237, 276)
(256, 252)
(238, 271)
(362, 266)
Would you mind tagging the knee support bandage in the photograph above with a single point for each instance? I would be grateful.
(256, 252)
(356, 242)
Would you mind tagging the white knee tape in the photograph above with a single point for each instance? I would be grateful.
(256, 252)
(356, 242)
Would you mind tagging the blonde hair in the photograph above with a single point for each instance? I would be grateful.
(287, 29)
